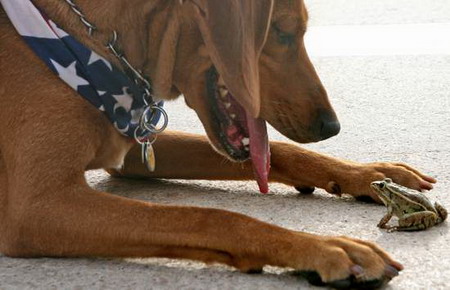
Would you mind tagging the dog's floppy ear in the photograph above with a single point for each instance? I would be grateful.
(162, 81)
(234, 32)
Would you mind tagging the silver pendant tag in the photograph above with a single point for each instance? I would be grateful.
(148, 156)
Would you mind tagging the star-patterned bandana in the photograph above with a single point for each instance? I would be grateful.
(106, 87)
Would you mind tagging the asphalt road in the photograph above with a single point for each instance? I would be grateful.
(392, 108)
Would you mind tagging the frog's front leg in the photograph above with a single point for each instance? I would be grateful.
(387, 217)
(417, 221)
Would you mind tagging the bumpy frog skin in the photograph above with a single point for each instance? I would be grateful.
(413, 209)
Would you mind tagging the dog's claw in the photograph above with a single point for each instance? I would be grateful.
(391, 272)
(357, 270)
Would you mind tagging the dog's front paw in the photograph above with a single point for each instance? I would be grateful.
(342, 262)
(357, 181)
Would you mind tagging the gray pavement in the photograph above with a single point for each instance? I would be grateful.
(392, 108)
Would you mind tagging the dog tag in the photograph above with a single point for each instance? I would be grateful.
(148, 156)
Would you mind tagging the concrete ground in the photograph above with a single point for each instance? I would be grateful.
(392, 108)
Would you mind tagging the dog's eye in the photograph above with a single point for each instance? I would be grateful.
(284, 38)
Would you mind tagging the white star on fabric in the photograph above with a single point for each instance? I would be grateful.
(123, 101)
(69, 75)
(102, 108)
(95, 57)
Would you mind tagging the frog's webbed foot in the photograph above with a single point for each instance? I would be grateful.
(391, 229)
(417, 221)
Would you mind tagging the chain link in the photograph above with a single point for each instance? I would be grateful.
(91, 27)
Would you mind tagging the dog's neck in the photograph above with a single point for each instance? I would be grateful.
(133, 22)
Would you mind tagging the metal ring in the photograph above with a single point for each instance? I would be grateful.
(147, 118)
(114, 38)
(136, 138)
(147, 139)
(111, 45)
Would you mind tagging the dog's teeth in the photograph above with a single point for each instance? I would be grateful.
(223, 92)
(233, 116)
(227, 105)
(245, 141)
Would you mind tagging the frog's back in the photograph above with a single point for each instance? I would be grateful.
(419, 198)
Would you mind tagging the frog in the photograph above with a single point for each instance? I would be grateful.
(414, 210)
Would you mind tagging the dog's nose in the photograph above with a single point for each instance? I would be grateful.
(330, 129)
(328, 125)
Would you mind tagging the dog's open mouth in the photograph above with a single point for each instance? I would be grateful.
(239, 134)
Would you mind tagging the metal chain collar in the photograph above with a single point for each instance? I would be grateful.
(91, 27)
(151, 109)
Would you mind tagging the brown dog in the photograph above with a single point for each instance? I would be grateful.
(50, 136)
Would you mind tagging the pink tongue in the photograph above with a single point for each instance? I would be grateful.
(259, 151)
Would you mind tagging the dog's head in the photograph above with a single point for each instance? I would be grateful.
(239, 61)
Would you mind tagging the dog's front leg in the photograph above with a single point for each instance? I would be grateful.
(292, 164)
(182, 155)
(189, 156)
(73, 220)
